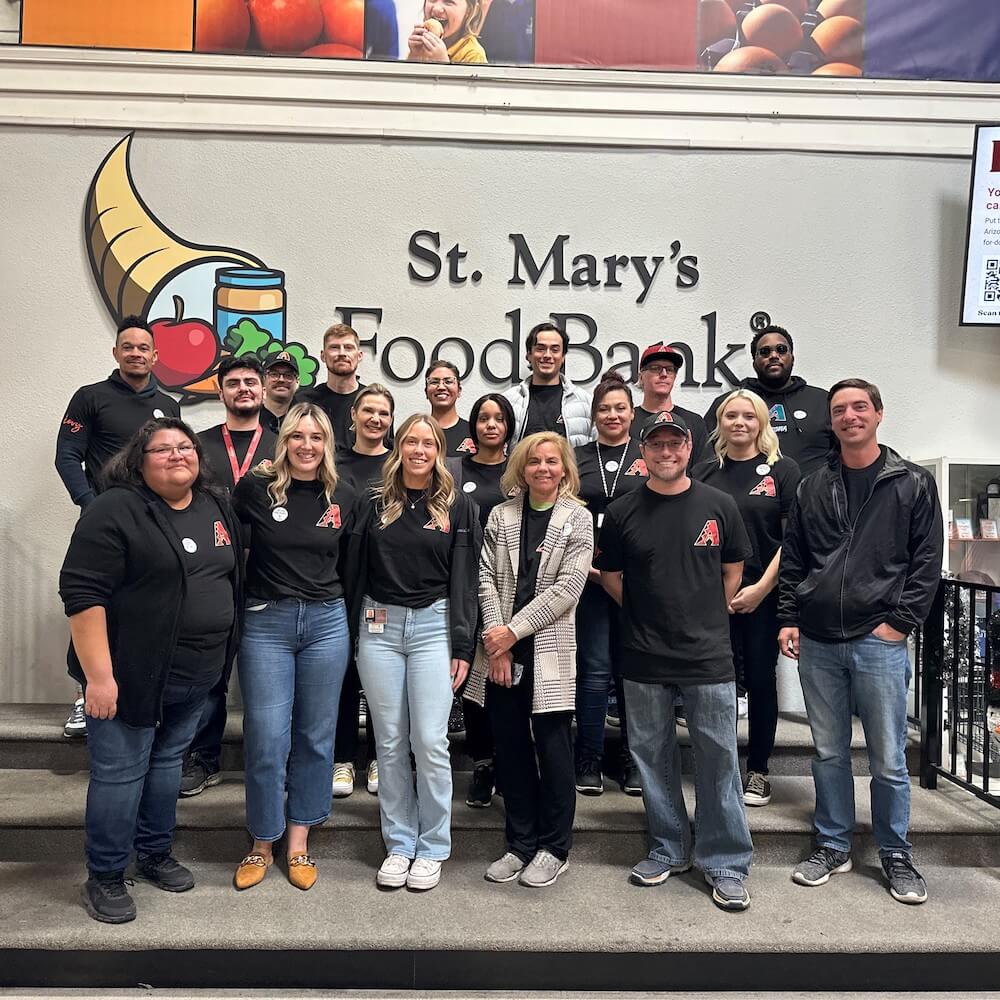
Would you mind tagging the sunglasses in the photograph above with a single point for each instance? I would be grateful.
(780, 349)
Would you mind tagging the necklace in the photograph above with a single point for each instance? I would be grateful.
(413, 503)
(618, 470)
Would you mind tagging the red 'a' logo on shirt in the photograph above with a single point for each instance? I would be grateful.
(637, 468)
(467, 447)
(765, 488)
(330, 518)
(431, 526)
(221, 535)
(709, 534)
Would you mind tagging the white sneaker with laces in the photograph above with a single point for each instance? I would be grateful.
(373, 778)
(343, 780)
(424, 874)
(393, 872)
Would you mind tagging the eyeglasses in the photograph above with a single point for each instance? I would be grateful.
(780, 349)
(448, 383)
(282, 376)
(161, 451)
(672, 443)
(661, 369)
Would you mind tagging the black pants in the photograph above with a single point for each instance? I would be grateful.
(478, 732)
(755, 650)
(534, 766)
(207, 742)
(345, 747)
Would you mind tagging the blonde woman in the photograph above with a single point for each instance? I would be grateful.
(296, 641)
(749, 466)
(418, 553)
(536, 556)
(457, 39)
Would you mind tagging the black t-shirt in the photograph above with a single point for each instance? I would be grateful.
(337, 406)
(544, 409)
(409, 562)
(295, 548)
(607, 472)
(214, 447)
(207, 611)
(362, 471)
(764, 495)
(859, 484)
(458, 439)
(670, 550)
(481, 483)
(271, 420)
(696, 424)
(534, 524)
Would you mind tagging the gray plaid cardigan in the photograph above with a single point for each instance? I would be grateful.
(567, 554)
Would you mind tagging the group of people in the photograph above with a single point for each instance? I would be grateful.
(553, 546)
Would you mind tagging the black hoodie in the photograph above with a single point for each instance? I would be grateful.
(99, 421)
(800, 416)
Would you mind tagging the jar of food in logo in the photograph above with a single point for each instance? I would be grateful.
(248, 294)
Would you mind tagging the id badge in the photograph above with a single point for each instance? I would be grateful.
(600, 519)
(516, 673)
(376, 619)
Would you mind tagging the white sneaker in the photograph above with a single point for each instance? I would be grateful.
(424, 874)
(393, 872)
(373, 778)
(343, 780)
(742, 706)
(76, 725)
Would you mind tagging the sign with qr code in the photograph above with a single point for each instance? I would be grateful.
(981, 278)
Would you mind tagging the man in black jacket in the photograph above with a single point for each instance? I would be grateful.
(860, 564)
(799, 412)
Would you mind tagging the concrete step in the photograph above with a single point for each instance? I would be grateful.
(43, 818)
(31, 737)
(590, 931)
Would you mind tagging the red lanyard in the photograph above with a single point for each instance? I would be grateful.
(239, 471)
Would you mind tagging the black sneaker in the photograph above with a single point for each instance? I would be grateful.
(906, 884)
(820, 865)
(106, 898)
(631, 782)
(456, 720)
(481, 786)
(165, 872)
(197, 776)
(613, 716)
(589, 780)
(75, 726)
(756, 789)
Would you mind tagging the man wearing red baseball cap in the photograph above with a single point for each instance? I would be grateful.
(658, 369)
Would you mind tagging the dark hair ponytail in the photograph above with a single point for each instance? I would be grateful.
(611, 381)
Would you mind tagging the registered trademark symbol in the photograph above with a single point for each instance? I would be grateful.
(760, 321)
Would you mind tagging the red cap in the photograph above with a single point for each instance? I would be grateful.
(657, 351)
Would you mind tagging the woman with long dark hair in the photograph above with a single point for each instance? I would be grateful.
(153, 585)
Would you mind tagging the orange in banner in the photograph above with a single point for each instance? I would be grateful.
(109, 24)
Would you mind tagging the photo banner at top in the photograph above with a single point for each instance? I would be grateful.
(893, 39)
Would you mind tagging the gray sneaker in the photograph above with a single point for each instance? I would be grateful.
(649, 871)
(906, 884)
(505, 869)
(820, 865)
(728, 893)
(544, 869)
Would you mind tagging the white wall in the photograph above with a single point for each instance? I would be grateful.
(859, 256)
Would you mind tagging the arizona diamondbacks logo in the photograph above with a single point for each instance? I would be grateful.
(709, 534)
(330, 518)
(467, 447)
(637, 468)
(765, 488)
(221, 535)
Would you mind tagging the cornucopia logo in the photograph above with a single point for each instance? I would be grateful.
(142, 268)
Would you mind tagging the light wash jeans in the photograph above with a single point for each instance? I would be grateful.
(406, 675)
(293, 657)
(722, 844)
(874, 675)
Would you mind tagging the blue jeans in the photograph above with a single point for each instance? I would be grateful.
(406, 673)
(135, 776)
(874, 675)
(293, 656)
(722, 845)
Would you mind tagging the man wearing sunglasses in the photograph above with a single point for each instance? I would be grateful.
(799, 412)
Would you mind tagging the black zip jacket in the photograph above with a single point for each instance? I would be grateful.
(125, 557)
(807, 439)
(463, 581)
(840, 580)
(99, 421)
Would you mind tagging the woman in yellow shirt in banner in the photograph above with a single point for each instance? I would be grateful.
(449, 32)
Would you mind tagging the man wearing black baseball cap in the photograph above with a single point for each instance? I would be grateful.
(281, 382)
(658, 368)
(672, 555)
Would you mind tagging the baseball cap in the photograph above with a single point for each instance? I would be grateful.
(280, 358)
(664, 418)
(657, 351)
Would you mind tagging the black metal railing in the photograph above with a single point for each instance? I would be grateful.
(957, 689)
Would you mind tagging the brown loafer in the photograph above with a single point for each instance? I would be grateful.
(251, 871)
(302, 871)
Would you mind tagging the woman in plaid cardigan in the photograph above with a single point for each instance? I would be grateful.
(537, 551)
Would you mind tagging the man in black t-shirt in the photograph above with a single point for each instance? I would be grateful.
(671, 553)
(860, 566)
(442, 387)
(281, 383)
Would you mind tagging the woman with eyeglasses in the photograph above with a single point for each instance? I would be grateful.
(152, 584)
(749, 466)
(442, 387)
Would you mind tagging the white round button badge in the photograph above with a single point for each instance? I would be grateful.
(469, 487)
(567, 529)
(800, 414)
(190, 545)
(763, 470)
(279, 514)
(158, 413)
(611, 466)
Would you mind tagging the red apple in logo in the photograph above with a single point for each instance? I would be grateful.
(186, 348)
(286, 25)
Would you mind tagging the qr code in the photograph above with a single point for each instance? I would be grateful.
(991, 280)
